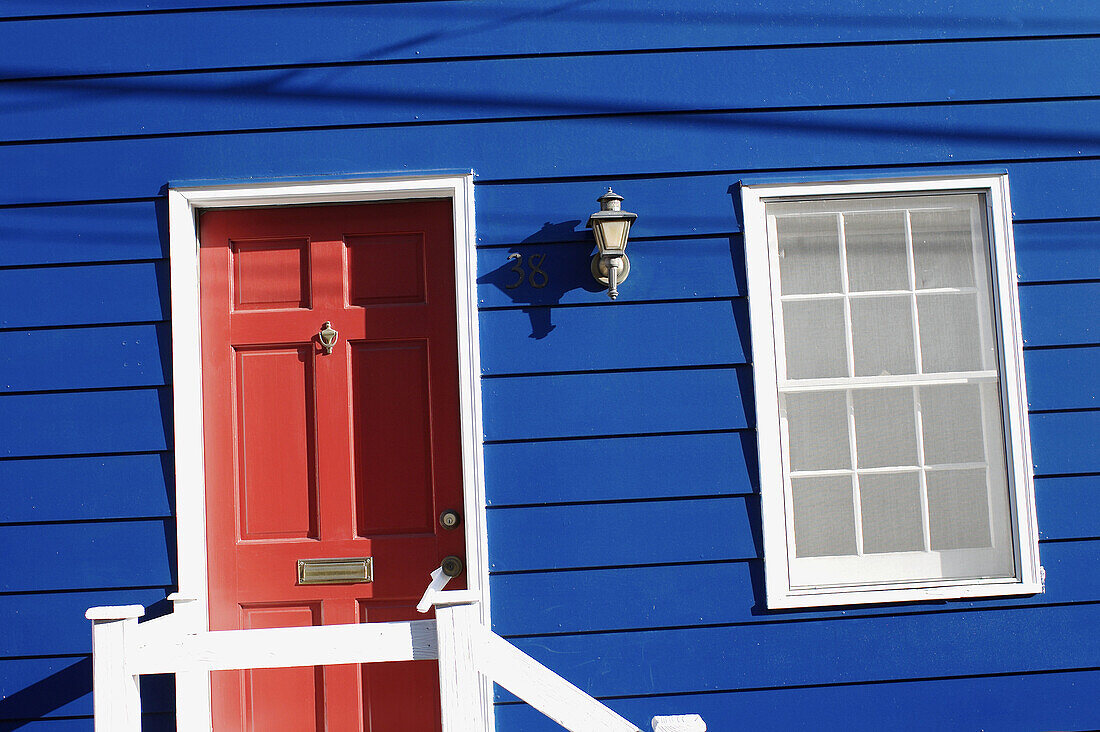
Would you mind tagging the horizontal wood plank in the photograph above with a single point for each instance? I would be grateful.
(999, 702)
(34, 688)
(1060, 314)
(77, 423)
(655, 466)
(612, 534)
(158, 652)
(400, 30)
(659, 270)
(880, 648)
(1049, 251)
(83, 294)
(1052, 314)
(575, 405)
(85, 358)
(41, 688)
(614, 336)
(1063, 378)
(701, 204)
(547, 339)
(87, 556)
(87, 488)
(726, 593)
(1066, 442)
(29, 10)
(503, 150)
(151, 722)
(544, 85)
(101, 232)
(53, 623)
(668, 207)
(540, 537)
(1067, 507)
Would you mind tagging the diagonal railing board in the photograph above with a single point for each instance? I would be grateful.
(543, 689)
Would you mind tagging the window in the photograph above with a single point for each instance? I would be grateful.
(889, 391)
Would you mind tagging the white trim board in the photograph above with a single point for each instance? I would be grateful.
(184, 204)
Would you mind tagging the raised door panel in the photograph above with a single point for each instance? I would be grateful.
(276, 477)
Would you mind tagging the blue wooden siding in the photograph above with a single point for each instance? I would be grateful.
(620, 456)
(402, 31)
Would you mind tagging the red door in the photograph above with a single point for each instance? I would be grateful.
(348, 454)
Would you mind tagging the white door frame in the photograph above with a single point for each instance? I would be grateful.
(191, 607)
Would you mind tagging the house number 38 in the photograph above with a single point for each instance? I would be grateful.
(536, 276)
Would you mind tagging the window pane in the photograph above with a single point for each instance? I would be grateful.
(817, 423)
(874, 244)
(951, 418)
(890, 506)
(949, 339)
(958, 509)
(943, 248)
(882, 336)
(809, 254)
(824, 516)
(813, 335)
(886, 433)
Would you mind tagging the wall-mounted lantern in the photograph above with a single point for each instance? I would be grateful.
(611, 226)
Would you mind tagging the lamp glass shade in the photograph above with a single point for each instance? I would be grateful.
(611, 235)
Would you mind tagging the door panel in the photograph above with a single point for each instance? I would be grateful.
(392, 378)
(283, 698)
(275, 474)
(270, 273)
(383, 681)
(312, 455)
(387, 268)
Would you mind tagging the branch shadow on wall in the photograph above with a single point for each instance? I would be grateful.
(66, 694)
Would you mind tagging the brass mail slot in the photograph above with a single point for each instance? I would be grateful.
(345, 570)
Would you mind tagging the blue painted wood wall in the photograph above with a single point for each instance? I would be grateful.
(622, 478)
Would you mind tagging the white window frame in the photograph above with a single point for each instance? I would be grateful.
(191, 609)
(760, 261)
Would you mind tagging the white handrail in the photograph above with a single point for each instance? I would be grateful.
(223, 650)
(123, 650)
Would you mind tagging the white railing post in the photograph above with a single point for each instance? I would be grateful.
(459, 681)
(115, 696)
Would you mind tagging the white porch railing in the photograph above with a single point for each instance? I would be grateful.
(123, 650)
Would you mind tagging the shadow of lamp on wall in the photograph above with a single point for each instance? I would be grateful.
(611, 227)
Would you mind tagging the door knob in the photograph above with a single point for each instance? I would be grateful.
(452, 566)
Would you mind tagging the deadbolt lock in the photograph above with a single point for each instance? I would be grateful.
(449, 519)
(452, 566)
